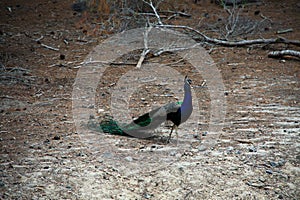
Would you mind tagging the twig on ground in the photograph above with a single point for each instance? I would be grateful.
(278, 54)
(49, 47)
(39, 39)
(266, 18)
(284, 31)
(161, 51)
(175, 14)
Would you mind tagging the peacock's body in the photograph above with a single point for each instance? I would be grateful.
(177, 113)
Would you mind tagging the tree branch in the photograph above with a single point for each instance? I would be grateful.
(154, 10)
(146, 48)
(235, 43)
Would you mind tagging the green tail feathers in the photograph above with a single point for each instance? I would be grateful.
(111, 127)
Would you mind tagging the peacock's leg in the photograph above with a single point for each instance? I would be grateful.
(176, 131)
(171, 133)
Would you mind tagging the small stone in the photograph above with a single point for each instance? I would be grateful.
(147, 196)
(281, 163)
(273, 164)
(2, 184)
(204, 133)
(202, 148)
(252, 149)
(100, 110)
(229, 149)
(262, 179)
(107, 155)
(91, 106)
(269, 171)
(181, 168)
(47, 141)
(173, 153)
(62, 56)
(238, 152)
(129, 159)
(282, 61)
(57, 137)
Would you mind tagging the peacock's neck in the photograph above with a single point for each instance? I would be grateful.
(187, 101)
(187, 105)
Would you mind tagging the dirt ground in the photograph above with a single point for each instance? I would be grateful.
(43, 156)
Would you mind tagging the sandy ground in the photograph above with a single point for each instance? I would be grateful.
(45, 156)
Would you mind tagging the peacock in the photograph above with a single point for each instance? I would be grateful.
(176, 112)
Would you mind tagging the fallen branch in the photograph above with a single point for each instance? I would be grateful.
(284, 31)
(234, 43)
(49, 47)
(175, 14)
(278, 54)
(163, 50)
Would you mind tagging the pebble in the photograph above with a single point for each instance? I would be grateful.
(261, 179)
(100, 110)
(181, 168)
(107, 155)
(238, 152)
(147, 196)
(277, 164)
(202, 148)
(91, 106)
(57, 137)
(252, 149)
(269, 171)
(229, 149)
(2, 184)
(129, 159)
(92, 117)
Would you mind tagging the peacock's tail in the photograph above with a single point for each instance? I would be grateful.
(143, 126)
(109, 125)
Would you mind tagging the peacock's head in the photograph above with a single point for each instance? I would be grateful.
(187, 80)
(187, 84)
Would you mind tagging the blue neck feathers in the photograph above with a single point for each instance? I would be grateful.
(187, 106)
